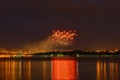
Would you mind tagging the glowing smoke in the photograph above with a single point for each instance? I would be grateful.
(54, 42)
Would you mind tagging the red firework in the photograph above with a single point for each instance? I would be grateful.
(64, 35)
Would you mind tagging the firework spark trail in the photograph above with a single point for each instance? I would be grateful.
(53, 42)
(63, 35)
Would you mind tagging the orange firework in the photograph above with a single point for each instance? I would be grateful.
(63, 36)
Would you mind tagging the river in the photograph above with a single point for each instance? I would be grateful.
(60, 69)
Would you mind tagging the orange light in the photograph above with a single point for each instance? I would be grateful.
(63, 35)
(64, 69)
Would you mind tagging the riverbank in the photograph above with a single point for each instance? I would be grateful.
(74, 54)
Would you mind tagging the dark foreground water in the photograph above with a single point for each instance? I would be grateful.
(59, 69)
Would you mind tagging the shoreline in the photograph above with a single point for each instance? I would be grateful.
(64, 57)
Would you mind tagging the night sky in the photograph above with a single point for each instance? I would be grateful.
(26, 21)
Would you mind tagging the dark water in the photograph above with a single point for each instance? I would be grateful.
(59, 69)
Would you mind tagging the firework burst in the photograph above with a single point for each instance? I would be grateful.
(63, 36)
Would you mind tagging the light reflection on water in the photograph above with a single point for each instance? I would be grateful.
(15, 70)
(64, 69)
(105, 69)
(59, 69)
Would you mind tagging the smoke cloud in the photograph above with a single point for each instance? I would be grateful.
(57, 41)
